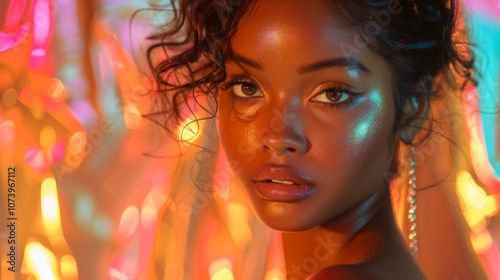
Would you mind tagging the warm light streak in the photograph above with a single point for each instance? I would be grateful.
(237, 221)
(50, 206)
(69, 268)
(132, 116)
(221, 269)
(128, 223)
(40, 261)
(275, 274)
(481, 242)
(42, 22)
(14, 14)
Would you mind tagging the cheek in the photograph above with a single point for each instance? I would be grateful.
(358, 140)
(238, 135)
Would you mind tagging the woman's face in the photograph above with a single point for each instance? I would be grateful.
(305, 119)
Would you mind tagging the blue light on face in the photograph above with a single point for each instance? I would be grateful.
(365, 126)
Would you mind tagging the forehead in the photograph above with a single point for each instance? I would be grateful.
(303, 26)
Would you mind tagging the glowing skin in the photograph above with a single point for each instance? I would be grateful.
(343, 150)
(296, 108)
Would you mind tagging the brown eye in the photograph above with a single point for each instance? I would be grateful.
(333, 96)
(246, 90)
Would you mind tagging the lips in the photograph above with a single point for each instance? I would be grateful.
(278, 183)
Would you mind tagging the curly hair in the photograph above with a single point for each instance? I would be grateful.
(418, 38)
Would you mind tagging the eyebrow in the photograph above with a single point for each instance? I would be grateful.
(308, 68)
(245, 60)
(334, 62)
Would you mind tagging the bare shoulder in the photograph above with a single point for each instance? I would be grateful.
(360, 272)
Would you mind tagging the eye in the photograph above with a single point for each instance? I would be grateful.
(243, 88)
(246, 89)
(334, 94)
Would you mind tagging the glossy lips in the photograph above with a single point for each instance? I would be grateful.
(277, 183)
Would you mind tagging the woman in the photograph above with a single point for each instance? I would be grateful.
(315, 99)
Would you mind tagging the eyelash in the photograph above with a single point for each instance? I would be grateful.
(336, 87)
(239, 81)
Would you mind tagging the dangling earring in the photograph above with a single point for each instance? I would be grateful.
(412, 200)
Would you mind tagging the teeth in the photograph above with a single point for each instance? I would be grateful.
(282, 182)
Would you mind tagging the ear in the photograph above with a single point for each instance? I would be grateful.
(414, 115)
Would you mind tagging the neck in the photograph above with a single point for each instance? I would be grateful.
(357, 236)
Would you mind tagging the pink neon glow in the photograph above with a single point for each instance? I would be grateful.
(36, 159)
(42, 22)
(14, 15)
(8, 41)
(56, 152)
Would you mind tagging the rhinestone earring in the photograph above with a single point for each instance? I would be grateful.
(412, 201)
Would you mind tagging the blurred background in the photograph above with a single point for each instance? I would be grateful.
(93, 177)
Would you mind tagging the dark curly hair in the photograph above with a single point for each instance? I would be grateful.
(418, 38)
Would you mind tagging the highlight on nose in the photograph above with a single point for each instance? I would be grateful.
(285, 141)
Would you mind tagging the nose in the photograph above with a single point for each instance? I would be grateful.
(284, 135)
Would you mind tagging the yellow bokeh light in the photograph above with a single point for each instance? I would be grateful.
(491, 207)
(50, 206)
(275, 274)
(132, 116)
(477, 205)
(47, 137)
(40, 261)
(481, 242)
(237, 220)
(190, 130)
(223, 274)
(69, 269)
(221, 269)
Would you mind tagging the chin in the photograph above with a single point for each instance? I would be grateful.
(280, 218)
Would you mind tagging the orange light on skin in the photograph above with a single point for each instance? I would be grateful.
(221, 269)
(40, 261)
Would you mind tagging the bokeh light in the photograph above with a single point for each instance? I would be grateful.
(69, 268)
(7, 131)
(40, 261)
(221, 269)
